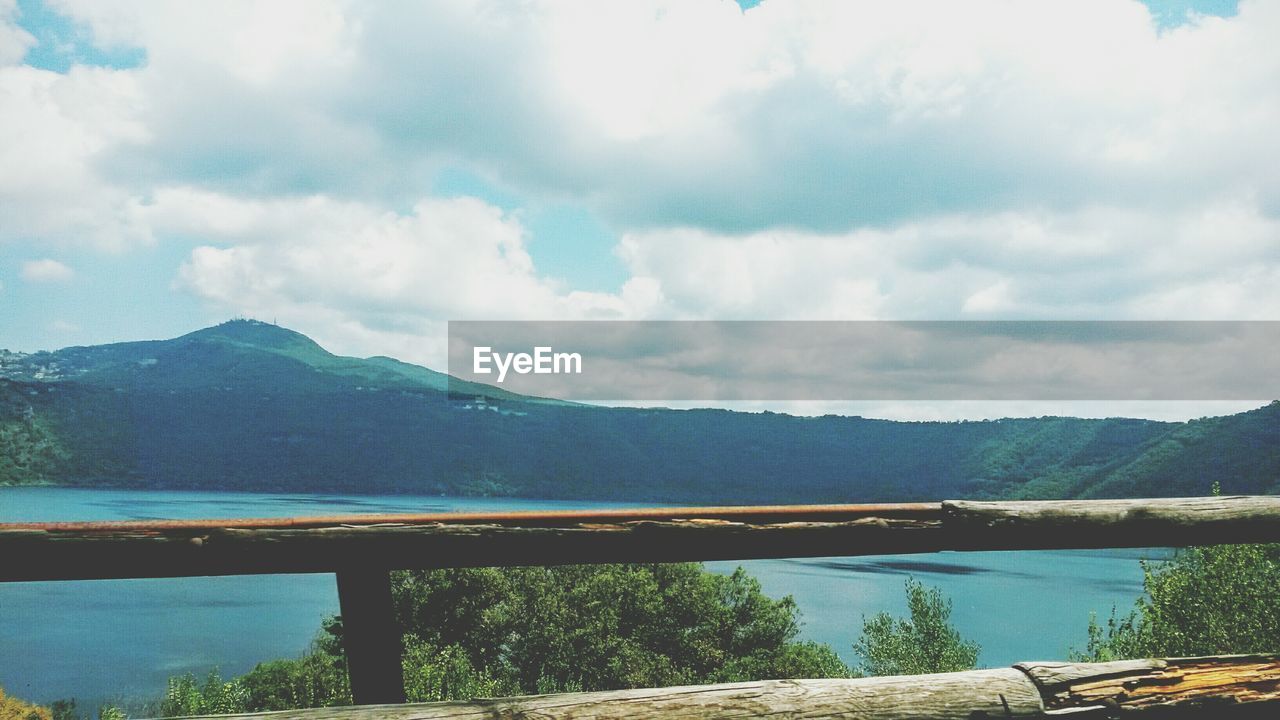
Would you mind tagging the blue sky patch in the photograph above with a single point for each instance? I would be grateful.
(567, 241)
(1172, 13)
(61, 42)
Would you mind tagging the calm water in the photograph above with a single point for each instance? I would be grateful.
(121, 639)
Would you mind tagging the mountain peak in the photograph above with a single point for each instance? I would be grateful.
(259, 334)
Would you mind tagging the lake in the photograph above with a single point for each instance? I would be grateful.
(121, 639)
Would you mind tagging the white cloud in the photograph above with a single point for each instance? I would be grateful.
(800, 114)
(46, 270)
(799, 160)
(381, 277)
(369, 280)
(53, 130)
(1216, 262)
(14, 41)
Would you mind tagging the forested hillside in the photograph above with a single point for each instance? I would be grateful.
(250, 406)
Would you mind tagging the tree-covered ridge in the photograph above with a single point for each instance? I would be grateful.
(30, 453)
(250, 406)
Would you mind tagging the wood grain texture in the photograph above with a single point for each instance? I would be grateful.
(293, 545)
(133, 551)
(1171, 522)
(1213, 687)
(1188, 512)
(1209, 685)
(1052, 674)
(1002, 693)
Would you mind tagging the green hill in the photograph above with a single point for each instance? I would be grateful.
(250, 406)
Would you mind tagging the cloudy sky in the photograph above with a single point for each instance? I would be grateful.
(364, 172)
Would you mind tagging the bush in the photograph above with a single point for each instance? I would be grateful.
(188, 696)
(1205, 601)
(431, 674)
(509, 631)
(923, 643)
(12, 708)
(314, 680)
(600, 627)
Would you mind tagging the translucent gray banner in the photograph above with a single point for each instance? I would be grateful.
(649, 361)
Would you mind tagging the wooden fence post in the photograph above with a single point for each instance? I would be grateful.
(370, 636)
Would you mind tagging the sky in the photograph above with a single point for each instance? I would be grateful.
(365, 172)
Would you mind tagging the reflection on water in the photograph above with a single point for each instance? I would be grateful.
(122, 638)
(908, 567)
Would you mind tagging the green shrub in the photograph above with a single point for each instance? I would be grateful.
(923, 643)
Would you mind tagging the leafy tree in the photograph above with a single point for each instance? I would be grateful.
(1205, 601)
(923, 643)
(601, 627)
(12, 708)
(508, 631)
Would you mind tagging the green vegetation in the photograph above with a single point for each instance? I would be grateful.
(556, 629)
(29, 452)
(317, 679)
(511, 631)
(923, 643)
(251, 406)
(1205, 601)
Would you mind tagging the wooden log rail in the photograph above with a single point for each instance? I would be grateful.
(65, 551)
(1216, 687)
(361, 549)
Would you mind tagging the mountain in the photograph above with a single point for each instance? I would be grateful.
(248, 405)
(239, 353)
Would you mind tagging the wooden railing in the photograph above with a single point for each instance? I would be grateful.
(362, 549)
(1230, 687)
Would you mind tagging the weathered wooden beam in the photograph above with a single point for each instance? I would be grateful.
(1062, 524)
(1177, 687)
(370, 636)
(1216, 687)
(1002, 693)
(526, 518)
(57, 551)
(235, 547)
